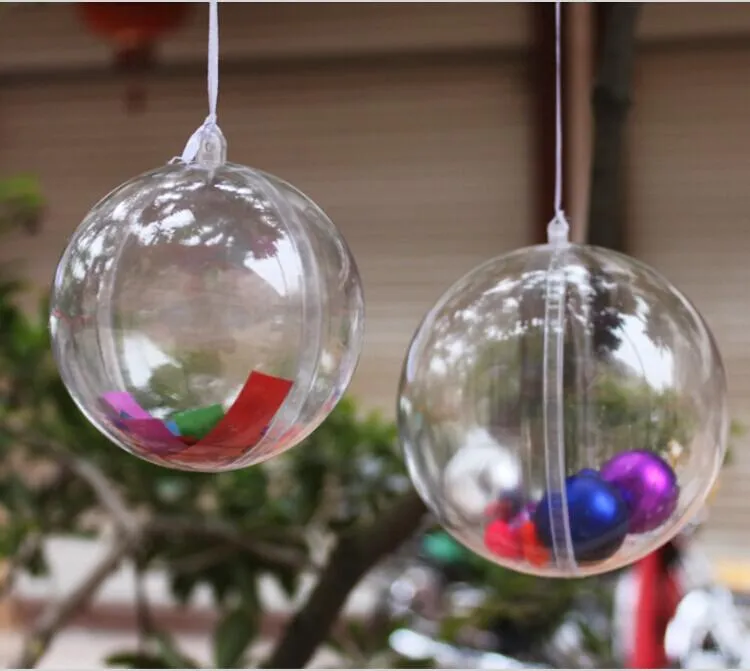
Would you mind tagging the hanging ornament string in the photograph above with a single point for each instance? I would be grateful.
(209, 128)
(558, 227)
(556, 512)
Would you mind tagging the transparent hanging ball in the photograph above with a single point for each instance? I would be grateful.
(562, 410)
(206, 316)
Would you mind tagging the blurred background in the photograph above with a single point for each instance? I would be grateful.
(426, 131)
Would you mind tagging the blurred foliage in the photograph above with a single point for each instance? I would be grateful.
(21, 203)
(179, 383)
(225, 531)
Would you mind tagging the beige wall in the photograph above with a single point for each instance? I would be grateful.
(419, 148)
(403, 151)
(689, 206)
(44, 36)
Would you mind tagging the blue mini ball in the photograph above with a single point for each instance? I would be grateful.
(597, 513)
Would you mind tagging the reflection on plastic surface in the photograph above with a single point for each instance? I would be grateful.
(562, 410)
(203, 318)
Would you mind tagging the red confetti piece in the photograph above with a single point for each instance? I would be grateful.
(244, 424)
(502, 540)
(533, 551)
(240, 430)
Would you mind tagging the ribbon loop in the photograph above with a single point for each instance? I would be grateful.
(207, 142)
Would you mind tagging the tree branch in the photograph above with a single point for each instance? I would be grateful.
(130, 536)
(104, 489)
(132, 533)
(144, 620)
(28, 548)
(353, 557)
(58, 614)
(216, 531)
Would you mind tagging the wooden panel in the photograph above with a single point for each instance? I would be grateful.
(423, 163)
(44, 35)
(689, 176)
(665, 22)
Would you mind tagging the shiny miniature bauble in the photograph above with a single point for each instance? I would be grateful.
(648, 485)
(597, 514)
(541, 401)
(206, 316)
(481, 479)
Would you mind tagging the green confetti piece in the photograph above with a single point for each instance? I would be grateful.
(199, 422)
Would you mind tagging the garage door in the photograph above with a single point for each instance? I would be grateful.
(422, 162)
(690, 172)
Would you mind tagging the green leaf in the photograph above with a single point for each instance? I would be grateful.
(172, 655)
(288, 580)
(37, 563)
(182, 586)
(21, 203)
(246, 584)
(136, 660)
(233, 635)
(311, 486)
(404, 663)
(220, 582)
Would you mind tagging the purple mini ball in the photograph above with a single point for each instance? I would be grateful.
(647, 483)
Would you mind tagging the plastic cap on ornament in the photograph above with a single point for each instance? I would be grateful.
(540, 402)
(205, 315)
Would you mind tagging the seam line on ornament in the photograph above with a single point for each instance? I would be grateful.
(553, 415)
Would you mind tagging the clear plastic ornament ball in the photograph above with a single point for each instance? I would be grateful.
(562, 410)
(206, 316)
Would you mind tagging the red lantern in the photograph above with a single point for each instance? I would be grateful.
(133, 28)
(658, 595)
